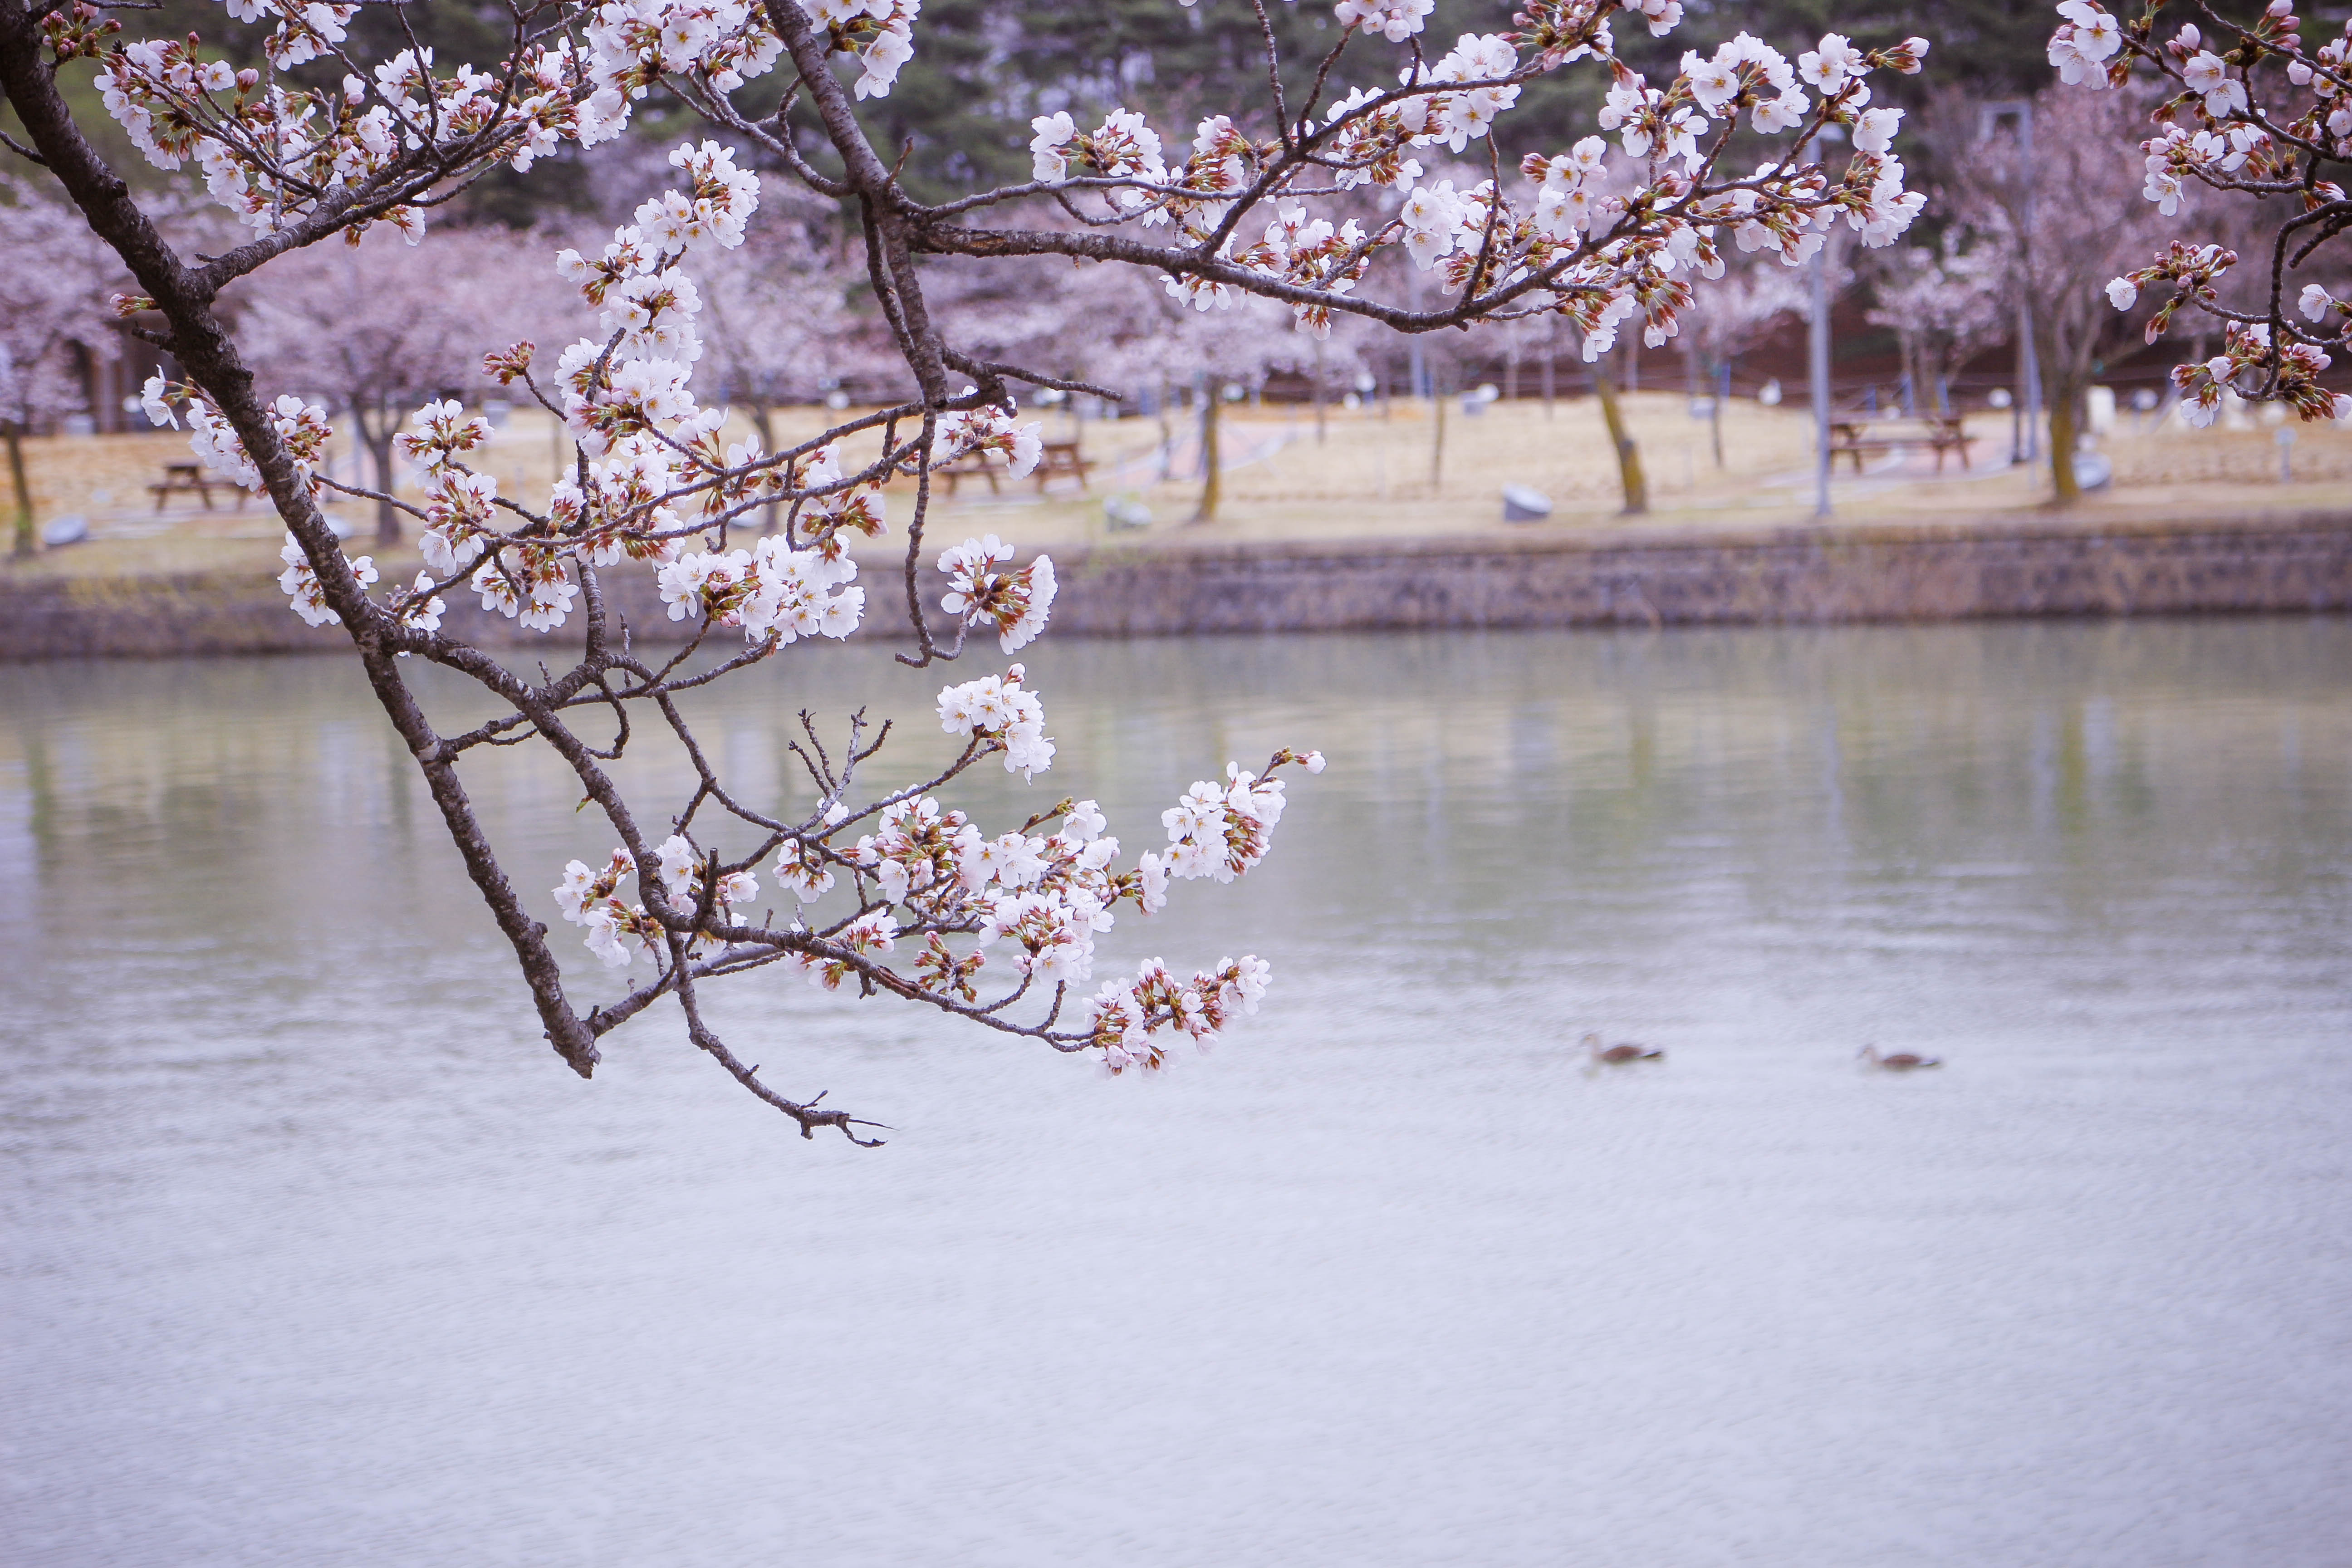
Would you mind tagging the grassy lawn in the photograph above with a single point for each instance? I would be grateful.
(1369, 473)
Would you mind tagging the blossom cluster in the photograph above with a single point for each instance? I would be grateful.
(1221, 831)
(832, 505)
(1306, 252)
(1123, 147)
(526, 581)
(633, 44)
(275, 155)
(1014, 603)
(300, 426)
(1395, 20)
(878, 33)
(1126, 1016)
(1045, 894)
(770, 589)
(1037, 896)
(301, 583)
(2251, 364)
(647, 446)
(618, 931)
(1482, 64)
(1001, 714)
(966, 432)
(1603, 240)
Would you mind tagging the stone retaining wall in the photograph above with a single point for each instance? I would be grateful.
(1868, 573)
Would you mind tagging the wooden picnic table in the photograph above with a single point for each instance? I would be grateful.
(1854, 438)
(1061, 457)
(1056, 459)
(179, 479)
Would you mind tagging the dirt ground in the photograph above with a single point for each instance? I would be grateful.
(1392, 470)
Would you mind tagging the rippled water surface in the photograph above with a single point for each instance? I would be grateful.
(311, 1252)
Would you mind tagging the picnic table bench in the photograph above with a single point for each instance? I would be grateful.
(179, 479)
(1055, 459)
(1061, 457)
(1854, 438)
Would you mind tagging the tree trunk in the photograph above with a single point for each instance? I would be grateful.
(25, 540)
(765, 424)
(1319, 392)
(1437, 443)
(1718, 393)
(1167, 431)
(387, 517)
(376, 436)
(2065, 491)
(1629, 453)
(1209, 467)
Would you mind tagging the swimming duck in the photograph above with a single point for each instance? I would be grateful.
(1900, 1061)
(1617, 1056)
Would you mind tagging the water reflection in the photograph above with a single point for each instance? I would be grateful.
(310, 1252)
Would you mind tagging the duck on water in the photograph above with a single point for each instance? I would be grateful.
(1618, 1055)
(1900, 1061)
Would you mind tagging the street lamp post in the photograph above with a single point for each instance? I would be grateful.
(2024, 446)
(1818, 345)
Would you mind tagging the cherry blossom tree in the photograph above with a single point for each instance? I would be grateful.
(897, 893)
(1212, 352)
(1733, 317)
(779, 329)
(1944, 307)
(1122, 328)
(54, 279)
(378, 326)
(2064, 218)
(1632, 479)
(2250, 111)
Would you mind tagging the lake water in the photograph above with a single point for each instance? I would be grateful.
(311, 1252)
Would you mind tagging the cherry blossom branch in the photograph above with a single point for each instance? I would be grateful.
(2241, 145)
(1005, 923)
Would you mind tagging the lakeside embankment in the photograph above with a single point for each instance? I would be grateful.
(1909, 571)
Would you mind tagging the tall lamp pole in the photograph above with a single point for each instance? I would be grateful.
(2024, 446)
(1818, 345)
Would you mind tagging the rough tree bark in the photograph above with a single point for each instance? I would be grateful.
(26, 542)
(1631, 481)
(1212, 460)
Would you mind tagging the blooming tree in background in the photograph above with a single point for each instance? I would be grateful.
(2251, 110)
(375, 326)
(903, 894)
(54, 277)
(1724, 322)
(1215, 355)
(776, 329)
(1944, 308)
(2061, 218)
